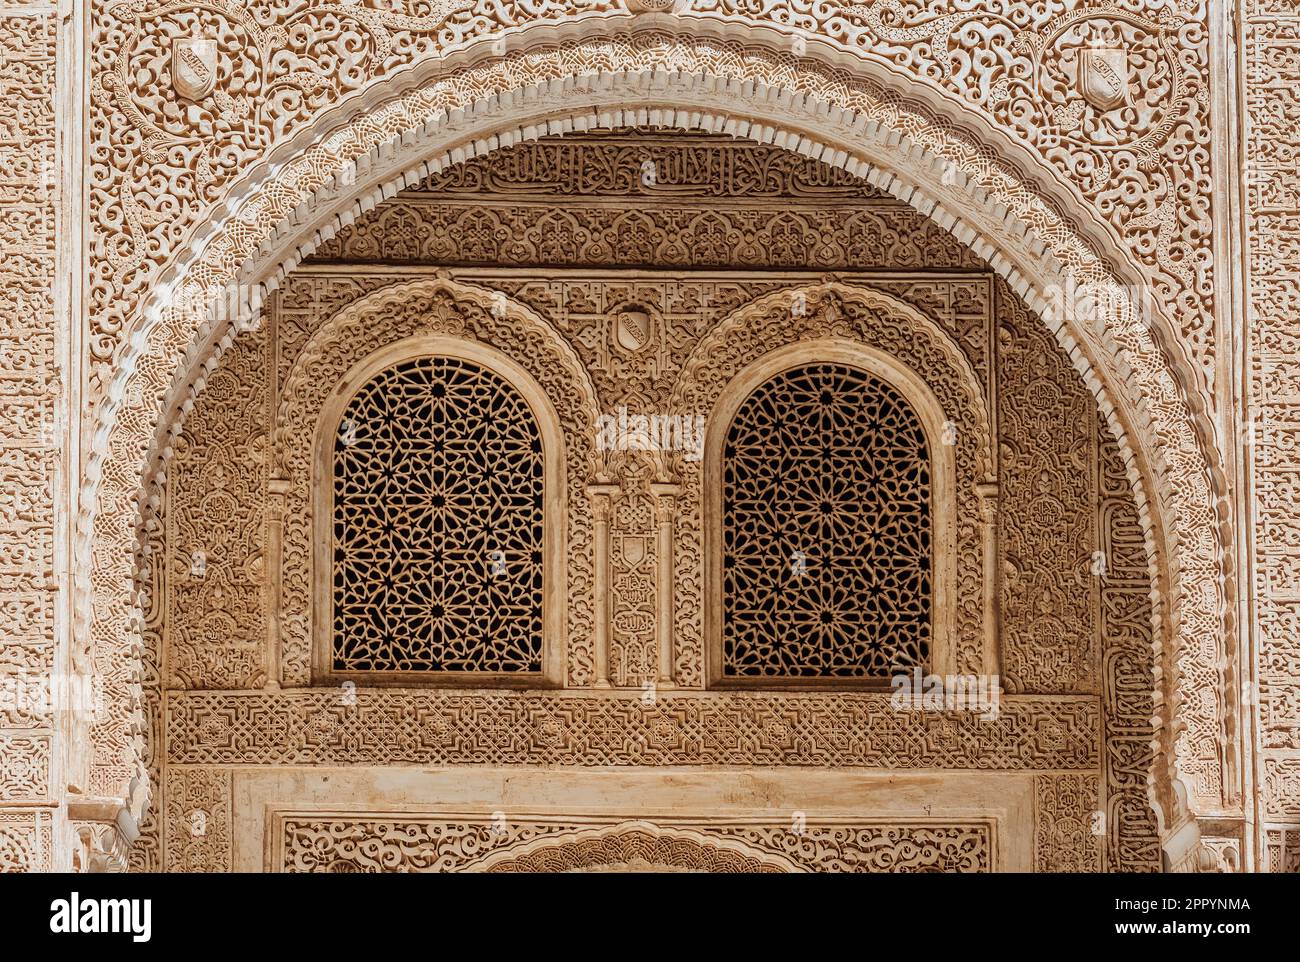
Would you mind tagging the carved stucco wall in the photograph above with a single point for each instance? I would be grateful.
(160, 163)
(570, 229)
(135, 169)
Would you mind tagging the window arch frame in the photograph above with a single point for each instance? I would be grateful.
(554, 514)
(943, 502)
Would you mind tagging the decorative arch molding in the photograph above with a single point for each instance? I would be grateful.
(633, 846)
(429, 315)
(851, 324)
(903, 137)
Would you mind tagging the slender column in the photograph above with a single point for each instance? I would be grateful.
(277, 489)
(988, 501)
(665, 496)
(602, 501)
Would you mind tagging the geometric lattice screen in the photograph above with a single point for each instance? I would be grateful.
(826, 530)
(437, 524)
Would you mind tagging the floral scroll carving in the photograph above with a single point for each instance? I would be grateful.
(1142, 159)
(280, 67)
(272, 69)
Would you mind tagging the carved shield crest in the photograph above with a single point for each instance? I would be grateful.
(194, 67)
(632, 329)
(633, 550)
(1103, 78)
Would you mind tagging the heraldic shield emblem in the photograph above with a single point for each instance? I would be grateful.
(1103, 78)
(194, 67)
(632, 329)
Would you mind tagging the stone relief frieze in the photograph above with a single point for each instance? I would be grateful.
(32, 451)
(161, 157)
(329, 726)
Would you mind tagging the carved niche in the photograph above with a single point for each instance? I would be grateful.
(606, 319)
(820, 317)
(431, 309)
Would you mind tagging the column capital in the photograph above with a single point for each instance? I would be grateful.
(602, 496)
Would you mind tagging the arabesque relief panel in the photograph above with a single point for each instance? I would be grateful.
(351, 843)
(32, 452)
(1129, 128)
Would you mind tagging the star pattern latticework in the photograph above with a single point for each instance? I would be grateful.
(826, 529)
(438, 524)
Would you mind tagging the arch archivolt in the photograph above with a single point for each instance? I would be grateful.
(421, 316)
(850, 324)
(901, 137)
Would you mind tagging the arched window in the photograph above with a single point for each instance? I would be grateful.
(826, 530)
(436, 494)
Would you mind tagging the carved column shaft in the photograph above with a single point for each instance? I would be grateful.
(988, 502)
(277, 491)
(665, 513)
(602, 502)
